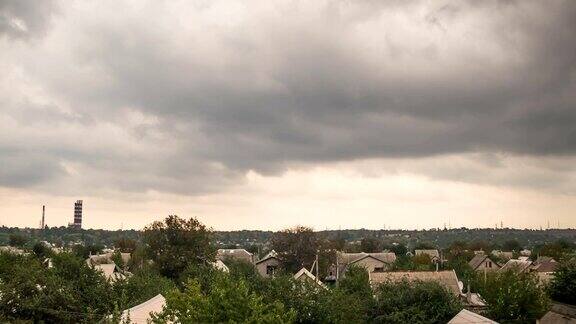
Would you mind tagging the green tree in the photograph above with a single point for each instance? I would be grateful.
(140, 287)
(511, 245)
(296, 247)
(17, 240)
(227, 301)
(356, 291)
(414, 302)
(370, 245)
(125, 245)
(176, 243)
(513, 297)
(563, 285)
(41, 251)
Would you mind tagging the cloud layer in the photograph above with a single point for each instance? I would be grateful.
(188, 97)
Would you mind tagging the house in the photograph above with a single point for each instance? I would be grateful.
(468, 317)
(545, 268)
(559, 314)
(107, 258)
(141, 314)
(219, 265)
(517, 265)
(372, 262)
(433, 254)
(447, 279)
(110, 271)
(306, 276)
(526, 252)
(268, 265)
(482, 262)
(235, 254)
(544, 259)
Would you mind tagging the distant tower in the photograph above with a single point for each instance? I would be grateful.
(77, 215)
(43, 222)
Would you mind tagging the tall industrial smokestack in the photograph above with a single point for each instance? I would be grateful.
(43, 223)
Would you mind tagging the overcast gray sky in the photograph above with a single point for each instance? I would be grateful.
(266, 114)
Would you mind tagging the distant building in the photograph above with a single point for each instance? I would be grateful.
(77, 215)
(482, 262)
(235, 254)
(520, 266)
(373, 262)
(268, 265)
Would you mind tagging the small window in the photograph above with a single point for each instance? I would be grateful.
(270, 270)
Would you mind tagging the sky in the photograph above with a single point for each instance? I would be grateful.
(270, 114)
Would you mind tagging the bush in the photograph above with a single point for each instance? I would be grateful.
(414, 302)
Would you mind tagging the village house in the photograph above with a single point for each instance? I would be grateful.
(520, 266)
(545, 268)
(107, 258)
(268, 265)
(235, 254)
(372, 262)
(482, 262)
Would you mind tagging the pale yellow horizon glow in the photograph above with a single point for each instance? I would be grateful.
(327, 197)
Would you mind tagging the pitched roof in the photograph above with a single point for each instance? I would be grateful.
(141, 313)
(560, 313)
(517, 265)
(477, 260)
(546, 266)
(542, 259)
(232, 252)
(110, 271)
(349, 258)
(271, 255)
(466, 317)
(304, 274)
(447, 279)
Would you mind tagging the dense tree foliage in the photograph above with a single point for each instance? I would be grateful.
(227, 301)
(414, 302)
(176, 243)
(370, 245)
(563, 285)
(297, 247)
(512, 296)
(174, 258)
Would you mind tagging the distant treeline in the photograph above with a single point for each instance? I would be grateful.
(254, 239)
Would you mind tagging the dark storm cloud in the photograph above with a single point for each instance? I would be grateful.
(337, 81)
